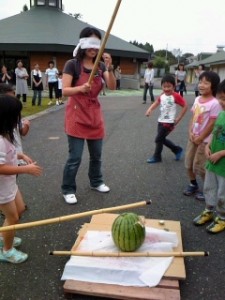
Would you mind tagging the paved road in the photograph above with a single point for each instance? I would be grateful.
(129, 141)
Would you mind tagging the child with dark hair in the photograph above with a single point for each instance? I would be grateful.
(167, 120)
(214, 184)
(205, 111)
(59, 91)
(11, 201)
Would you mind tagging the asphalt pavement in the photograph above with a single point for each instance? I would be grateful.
(129, 142)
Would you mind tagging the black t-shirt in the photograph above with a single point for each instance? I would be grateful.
(73, 68)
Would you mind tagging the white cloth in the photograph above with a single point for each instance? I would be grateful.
(37, 73)
(87, 43)
(126, 271)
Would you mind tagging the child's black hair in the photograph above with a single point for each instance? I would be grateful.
(10, 115)
(212, 77)
(6, 88)
(168, 78)
(221, 87)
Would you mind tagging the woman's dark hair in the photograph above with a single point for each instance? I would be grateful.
(150, 64)
(10, 115)
(51, 62)
(168, 78)
(213, 78)
(19, 60)
(180, 65)
(221, 87)
(203, 66)
(87, 32)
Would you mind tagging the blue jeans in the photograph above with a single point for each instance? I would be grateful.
(37, 93)
(76, 146)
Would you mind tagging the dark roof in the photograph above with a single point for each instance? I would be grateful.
(215, 59)
(49, 29)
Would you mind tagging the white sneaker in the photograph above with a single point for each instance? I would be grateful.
(50, 103)
(101, 188)
(70, 198)
(57, 102)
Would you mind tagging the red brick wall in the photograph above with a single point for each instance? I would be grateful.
(43, 58)
(128, 66)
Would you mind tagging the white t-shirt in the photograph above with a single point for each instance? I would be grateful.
(59, 83)
(181, 75)
(52, 74)
(149, 76)
(168, 107)
(8, 156)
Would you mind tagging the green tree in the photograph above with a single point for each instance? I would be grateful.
(148, 47)
(159, 62)
(168, 56)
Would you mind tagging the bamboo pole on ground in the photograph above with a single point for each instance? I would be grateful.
(129, 254)
(74, 216)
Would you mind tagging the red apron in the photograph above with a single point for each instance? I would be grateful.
(84, 118)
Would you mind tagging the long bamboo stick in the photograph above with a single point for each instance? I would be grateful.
(129, 254)
(100, 52)
(74, 216)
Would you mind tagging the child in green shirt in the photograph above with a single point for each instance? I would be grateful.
(214, 184)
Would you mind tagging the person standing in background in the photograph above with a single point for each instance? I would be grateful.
(21, 81)
(37, 85)
(180, 78)
(149, 82)
(5, 76)
(59, 91)
(198, 71)
(51, 80)
(117, 73)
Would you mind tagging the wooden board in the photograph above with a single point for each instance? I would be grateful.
(168, 287)
(166, 290)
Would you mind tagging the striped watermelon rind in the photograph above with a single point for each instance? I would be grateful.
(128, 232)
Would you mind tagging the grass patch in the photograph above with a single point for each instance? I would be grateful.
(31, 110)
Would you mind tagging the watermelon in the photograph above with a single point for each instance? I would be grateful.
(128, 232)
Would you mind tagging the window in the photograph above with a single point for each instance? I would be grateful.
(40, 2)
(52, 3)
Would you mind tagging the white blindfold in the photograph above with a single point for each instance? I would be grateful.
(87, 43)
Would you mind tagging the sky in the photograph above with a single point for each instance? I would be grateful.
(191, 26)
